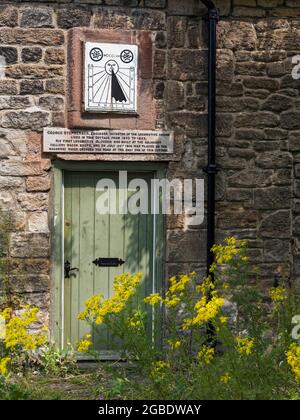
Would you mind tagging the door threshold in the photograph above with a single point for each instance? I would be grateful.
(102, 355)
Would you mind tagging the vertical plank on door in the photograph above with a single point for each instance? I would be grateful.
(67, 257)
(87, 229)
(116, 249)
(101, 274)
(75, 257)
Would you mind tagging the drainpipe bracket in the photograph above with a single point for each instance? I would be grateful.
(213, 14)
(211, 169)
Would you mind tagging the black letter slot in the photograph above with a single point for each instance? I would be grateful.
(108, 262)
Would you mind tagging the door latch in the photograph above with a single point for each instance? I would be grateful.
(68, 269)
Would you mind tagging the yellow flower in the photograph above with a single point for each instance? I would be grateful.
(206, 286)
(223, 319)
(6, 313)
(158, 369)
(171, 301)
(3, 366)
(97, 308)
(187, 323)
(207, 309)
(153, 299)
(2, 329)
(91, 307)
(206, 355)
(174, 344)
(225, 254)
(225, 378)
(213, 267)
(84, 345)
(278, 294)
(17, 330)
(244, 345)
(136, 320)
(180, 284)
(293, 359)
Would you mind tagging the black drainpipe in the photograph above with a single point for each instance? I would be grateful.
(211, 168)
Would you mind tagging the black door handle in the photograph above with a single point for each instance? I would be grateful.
(68, 269)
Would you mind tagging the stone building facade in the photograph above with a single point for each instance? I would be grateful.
(258, 123)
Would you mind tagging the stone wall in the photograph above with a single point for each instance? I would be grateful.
(258, 124)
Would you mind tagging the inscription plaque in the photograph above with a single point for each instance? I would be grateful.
(63, 140)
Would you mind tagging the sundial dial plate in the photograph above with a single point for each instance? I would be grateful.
(110, 77)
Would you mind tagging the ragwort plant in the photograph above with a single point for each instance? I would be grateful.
(17, 342)
(225, 339)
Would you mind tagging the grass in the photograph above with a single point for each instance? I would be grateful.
(90, 383)
(97, 383)
(79, 387)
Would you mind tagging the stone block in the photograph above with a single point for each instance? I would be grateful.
(38, 183)
(272, 198)
(177, 30)
(54, 56)
(34, 120)
(190, 8)
(276, 249)
(31, 55)
(276, 225)
(252, 177)
(70, 17)
(39, 36)
(32, 87)
(15, 102)
(186, 246)
(8, 87)
(33, 201)
(10, 54)
(36, 17)
(56, 86)
(276, 159)
(236, 35)
(186, 65)
(20, 168)
(29, 245)
(290, 120)
(279, 39)
(265, 83)
(159, 64)
(30, 71)
(175, 95)
(8, 16)
(127, 18)
(30, 283)
(38, 222)
(256, 120)
(52, 103)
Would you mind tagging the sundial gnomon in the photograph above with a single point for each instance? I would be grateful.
(110, 77)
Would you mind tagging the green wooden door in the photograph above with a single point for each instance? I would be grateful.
(88, 235)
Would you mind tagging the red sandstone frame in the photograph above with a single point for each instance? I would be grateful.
(77, 117)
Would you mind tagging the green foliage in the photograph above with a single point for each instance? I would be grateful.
(55, 362)
(6, 225)
(11, 391)
(226, 339)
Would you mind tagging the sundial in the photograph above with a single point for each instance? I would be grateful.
(110, 77)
